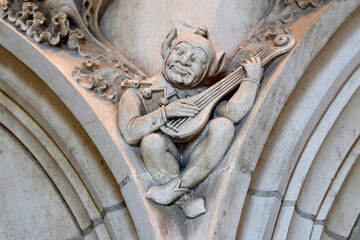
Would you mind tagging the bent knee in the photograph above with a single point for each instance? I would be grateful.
(222, 127)
(152, 142)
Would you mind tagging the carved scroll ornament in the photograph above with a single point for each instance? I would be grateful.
(32, 21)
(75, 23)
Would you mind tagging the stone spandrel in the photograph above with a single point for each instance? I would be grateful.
(177, 182)
(168, 115)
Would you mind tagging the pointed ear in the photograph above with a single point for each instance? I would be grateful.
(167, 43)
(218, 64)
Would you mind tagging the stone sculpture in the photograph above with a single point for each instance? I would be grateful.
(189, 104)
(179, 165)
(181, 123)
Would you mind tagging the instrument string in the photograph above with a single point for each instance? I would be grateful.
(218, 89)
(228, 85)
(216, 86)
(179, 124)
(174, 123)
(181, 121)
(263, 54)
(224, 87)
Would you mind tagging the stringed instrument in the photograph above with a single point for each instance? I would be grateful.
(184, 128)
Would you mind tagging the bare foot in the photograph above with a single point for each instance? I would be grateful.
(191, 206)
(167, 193)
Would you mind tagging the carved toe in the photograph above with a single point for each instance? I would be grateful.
(192, 206)
(167, 193)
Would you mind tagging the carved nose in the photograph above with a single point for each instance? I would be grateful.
(185, 60)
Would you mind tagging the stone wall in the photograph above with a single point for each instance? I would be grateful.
(291, 172)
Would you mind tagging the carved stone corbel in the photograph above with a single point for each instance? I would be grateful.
(108, 74)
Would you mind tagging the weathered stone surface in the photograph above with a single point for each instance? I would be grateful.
(28, 197)
(289, 172)
(135, 27)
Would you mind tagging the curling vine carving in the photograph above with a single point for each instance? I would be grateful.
(279, 15)
(104, 77)
(75, 23)
(33, 22)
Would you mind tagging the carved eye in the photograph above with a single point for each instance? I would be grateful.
(193, 59)
(180, 52)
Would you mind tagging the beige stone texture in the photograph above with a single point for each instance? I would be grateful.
(291, 171)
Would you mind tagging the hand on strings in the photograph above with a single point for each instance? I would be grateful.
(181, 108)
(253, 69)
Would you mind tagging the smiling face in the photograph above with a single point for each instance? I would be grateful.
(186, 65)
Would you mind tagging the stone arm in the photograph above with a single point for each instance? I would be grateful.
(132, 124)
(241, 102)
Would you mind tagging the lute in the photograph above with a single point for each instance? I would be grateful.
(184, 128)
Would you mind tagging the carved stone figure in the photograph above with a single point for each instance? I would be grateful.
(179, 164)
(181, 121)
(264, 177)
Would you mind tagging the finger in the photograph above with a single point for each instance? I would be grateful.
(186, 114)
(258, 60)
(187, 109)
(183, 109)
(185, 106)
(189, 112)
(188, 106)
(184, 101)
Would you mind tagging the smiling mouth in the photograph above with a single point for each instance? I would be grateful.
(180, 70)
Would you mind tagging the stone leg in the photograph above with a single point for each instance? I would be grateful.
(209, 149)
(160, 157)
(208, 152)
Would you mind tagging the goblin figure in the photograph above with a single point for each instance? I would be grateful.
(179, 167)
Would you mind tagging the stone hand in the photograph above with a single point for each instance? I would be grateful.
(253, 68)
(181, 108)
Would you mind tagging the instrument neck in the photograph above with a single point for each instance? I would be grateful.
(224, 86)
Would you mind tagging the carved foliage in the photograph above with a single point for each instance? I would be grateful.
(283, 11)
(32, 21)
(74, 22)
(307, 3)
(104, 77)
(259, 41)
(279, 15)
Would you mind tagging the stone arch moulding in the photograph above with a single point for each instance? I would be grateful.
(46, 131)
(263, 187)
